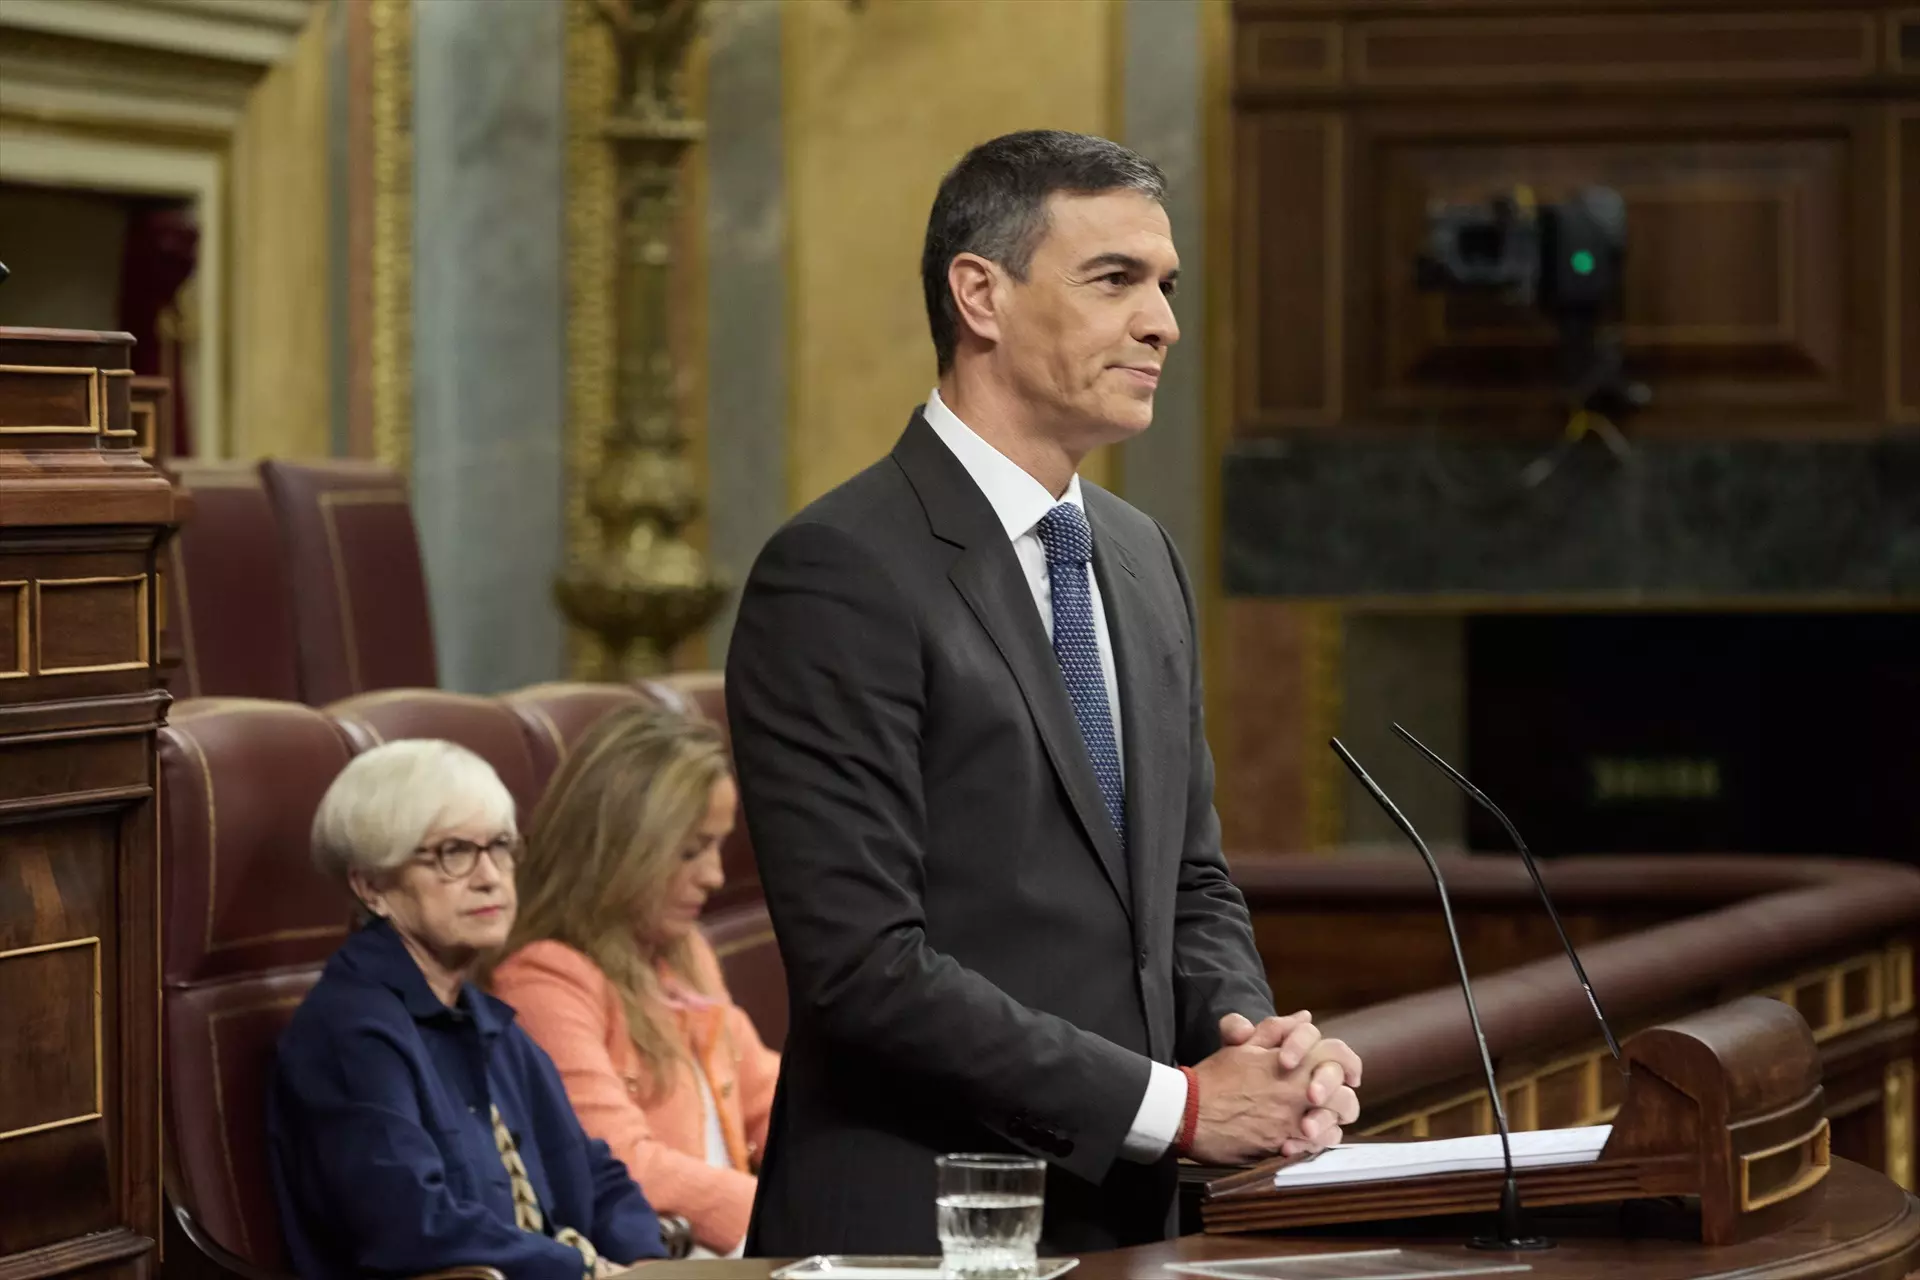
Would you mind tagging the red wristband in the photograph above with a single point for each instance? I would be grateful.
(1190, 1119)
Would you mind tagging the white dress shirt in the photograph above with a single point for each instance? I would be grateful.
(1021, 501)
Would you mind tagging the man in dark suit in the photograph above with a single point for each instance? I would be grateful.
(965, 697)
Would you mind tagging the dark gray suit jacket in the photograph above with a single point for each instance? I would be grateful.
(974, 961)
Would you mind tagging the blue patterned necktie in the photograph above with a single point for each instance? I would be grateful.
(1068, 540)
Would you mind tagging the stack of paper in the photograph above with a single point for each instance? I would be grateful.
(1386, 1161)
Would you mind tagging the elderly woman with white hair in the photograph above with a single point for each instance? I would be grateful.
(413, 1126)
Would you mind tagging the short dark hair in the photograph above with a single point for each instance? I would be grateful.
(994, 203)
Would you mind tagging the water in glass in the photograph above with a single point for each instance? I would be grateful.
(989, 1209)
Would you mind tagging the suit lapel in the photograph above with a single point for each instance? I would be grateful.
(988, 577)
(1138, 650)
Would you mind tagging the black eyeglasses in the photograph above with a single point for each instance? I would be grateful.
(456, 858)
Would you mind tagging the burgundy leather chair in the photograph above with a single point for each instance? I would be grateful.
(704, 693)
(248, 925)
(485, 726)
(229, 603)
(360, 614)
(556, 715)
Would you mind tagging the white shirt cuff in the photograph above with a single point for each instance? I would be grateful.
(1157, 1123)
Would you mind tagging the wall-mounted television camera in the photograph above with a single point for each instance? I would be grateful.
(1567, 260)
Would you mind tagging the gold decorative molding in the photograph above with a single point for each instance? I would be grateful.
(592, 222)
(90, 388)
(1812, 1155)
(104, 401)
(99, 1043)
(391, 107)
(141, 655)
(633, 580)
(1899, 979)
(1840, 998)
(1836, 1000)
(1896, 1108)
(18, 628)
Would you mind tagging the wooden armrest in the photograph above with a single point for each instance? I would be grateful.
(235, 1265)
(221, 1257)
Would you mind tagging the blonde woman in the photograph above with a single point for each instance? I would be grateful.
(611, 976)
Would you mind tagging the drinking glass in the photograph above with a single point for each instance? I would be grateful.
(989, 1213)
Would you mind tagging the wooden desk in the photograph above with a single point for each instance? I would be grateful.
(1866, 1229)
(80, 515)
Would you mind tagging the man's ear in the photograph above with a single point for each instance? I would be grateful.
(978, 286)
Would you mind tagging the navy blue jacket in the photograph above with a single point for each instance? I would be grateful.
(383, 1155)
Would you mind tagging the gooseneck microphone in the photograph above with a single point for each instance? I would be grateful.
(1533, 869)
(1511, 1233)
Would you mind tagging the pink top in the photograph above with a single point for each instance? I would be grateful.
(572, 1011)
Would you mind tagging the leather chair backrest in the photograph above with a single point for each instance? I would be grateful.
(221, 1040)
(360, 612)
(248, 924)
(558, 714)
(743, 938)
(485, 726)
(229, 603)
(704, 693)
(239, 781)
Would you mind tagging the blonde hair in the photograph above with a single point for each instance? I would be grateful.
(605, 839)
(387, 800)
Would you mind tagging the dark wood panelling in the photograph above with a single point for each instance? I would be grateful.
(1613, 49)
(15, 638)
(1290, 54)
(1903, 262)
(1903, 41)
(1765, 179)
(43, 772)
(58, 1081)
(1737, 288)
(89, 624)
(38, 400)
(80, 516)
(1291, 217)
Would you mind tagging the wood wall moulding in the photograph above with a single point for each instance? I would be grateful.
(1903, 42)
(1741, 287)
(1290, 210)
(66, 976)
(1903, 262)
(1638, 53)
(1747, 295)
(1247, 11)
(1290, 55)
(1647, 51)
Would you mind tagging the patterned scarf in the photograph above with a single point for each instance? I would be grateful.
(526, 1205)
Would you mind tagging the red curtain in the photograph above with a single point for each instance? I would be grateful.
(162, 250)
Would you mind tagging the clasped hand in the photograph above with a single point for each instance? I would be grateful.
(1276, 1088)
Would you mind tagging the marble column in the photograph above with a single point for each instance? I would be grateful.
(746, 294)
(1161, 117)
(489, 329)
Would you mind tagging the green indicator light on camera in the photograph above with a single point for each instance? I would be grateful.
(1583, 263)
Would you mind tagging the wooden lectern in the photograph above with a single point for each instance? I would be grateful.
(81, 513)
(1725, 1105)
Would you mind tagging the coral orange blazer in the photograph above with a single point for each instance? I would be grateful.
(572, 1011)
